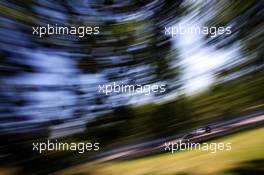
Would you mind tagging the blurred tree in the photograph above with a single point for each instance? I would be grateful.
(246, 20)
(126, 49)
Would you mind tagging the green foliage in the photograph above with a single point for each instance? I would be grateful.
(223, 101)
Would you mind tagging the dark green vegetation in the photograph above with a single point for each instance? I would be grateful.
(223, 101)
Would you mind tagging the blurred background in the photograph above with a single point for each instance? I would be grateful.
(49, 86)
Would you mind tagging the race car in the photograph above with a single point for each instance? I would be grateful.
(197, 132)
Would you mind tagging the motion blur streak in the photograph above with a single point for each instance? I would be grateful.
(49, 84)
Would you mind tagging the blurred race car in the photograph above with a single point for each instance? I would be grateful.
(197, 132)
